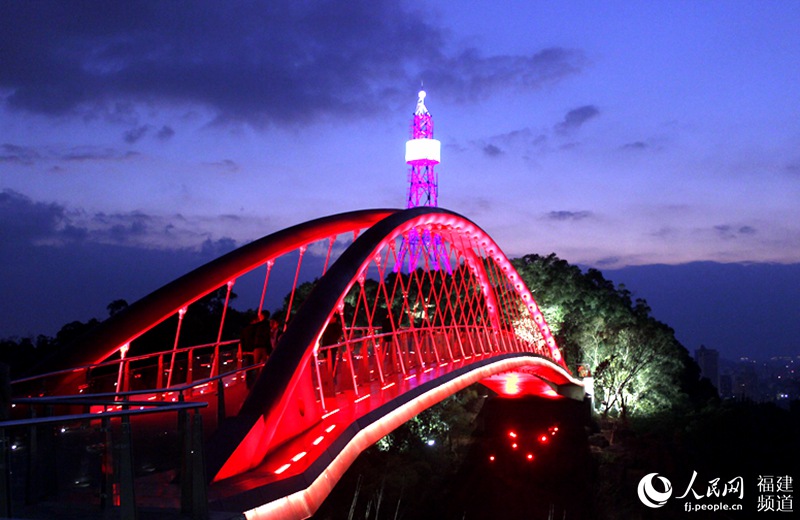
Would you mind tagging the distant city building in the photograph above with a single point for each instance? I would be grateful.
(708, 360)
(726, 386)
(747, 385)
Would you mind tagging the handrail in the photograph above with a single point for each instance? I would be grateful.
(117, 361)
(116, 485)
(171, 407)
(80, 399)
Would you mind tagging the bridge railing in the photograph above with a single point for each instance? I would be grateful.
(123, 458)
(385, 357)
(158, 370)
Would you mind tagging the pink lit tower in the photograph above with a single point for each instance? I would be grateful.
(423, 152)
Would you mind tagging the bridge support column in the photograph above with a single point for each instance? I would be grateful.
(199, 491)
(127, 495)
(572, 391)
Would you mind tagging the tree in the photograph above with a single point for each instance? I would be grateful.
(116, 307)
(638, 365)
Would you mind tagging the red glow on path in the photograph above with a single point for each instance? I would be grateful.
(519, 384)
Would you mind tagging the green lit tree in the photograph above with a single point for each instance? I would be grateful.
(637, 363)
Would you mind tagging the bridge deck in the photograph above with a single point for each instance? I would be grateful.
(351, 424)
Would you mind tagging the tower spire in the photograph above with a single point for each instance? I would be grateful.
(423, 152)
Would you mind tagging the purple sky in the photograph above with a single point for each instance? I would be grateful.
(615, 134)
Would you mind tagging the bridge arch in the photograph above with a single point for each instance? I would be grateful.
(280, 406)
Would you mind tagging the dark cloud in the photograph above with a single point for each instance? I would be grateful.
(492, 150)
(134, 134)
(12, 153)
(521, 139)
(226, 165)
(25, 221)
(261, 61)
(217, 248)
(470, 75)
(727, 231)
(636, 145)
(568, 215)
(608, 261)
(123, 228)
(576, 117)
(94, 153)
(165, 133)
(664, 232)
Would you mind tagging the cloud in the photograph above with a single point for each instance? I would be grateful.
(727, 231)
(216, 248)
(665, 232)
(12, 153)
(225, 165)
(608, 261)
(636, 145)
(747, 230)
(470, 75)
(134, 134)
(94, 153)
(261, 62)
(165, 133)
(575, 118)
(523, 139)
(573, 216)
(27, 155)
(492, 150)
(26, 223)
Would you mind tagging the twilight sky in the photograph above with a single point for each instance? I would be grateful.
(615, 134)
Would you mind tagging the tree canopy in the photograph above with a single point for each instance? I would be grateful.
(637, 363)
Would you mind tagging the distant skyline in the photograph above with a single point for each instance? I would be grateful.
(614, 134)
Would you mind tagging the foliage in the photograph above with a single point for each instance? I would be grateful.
(22, 354)
(444, 425)
(200, 326)
(404, 476)
(638, 365)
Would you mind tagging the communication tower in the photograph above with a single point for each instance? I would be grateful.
(423, 152)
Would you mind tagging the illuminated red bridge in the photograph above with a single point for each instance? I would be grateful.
(373, 343)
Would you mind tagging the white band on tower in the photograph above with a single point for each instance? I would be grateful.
(423, 150)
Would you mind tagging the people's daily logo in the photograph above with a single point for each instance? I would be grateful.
(649, 495)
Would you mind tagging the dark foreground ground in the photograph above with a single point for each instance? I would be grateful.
(580, 470)
(527, 458)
